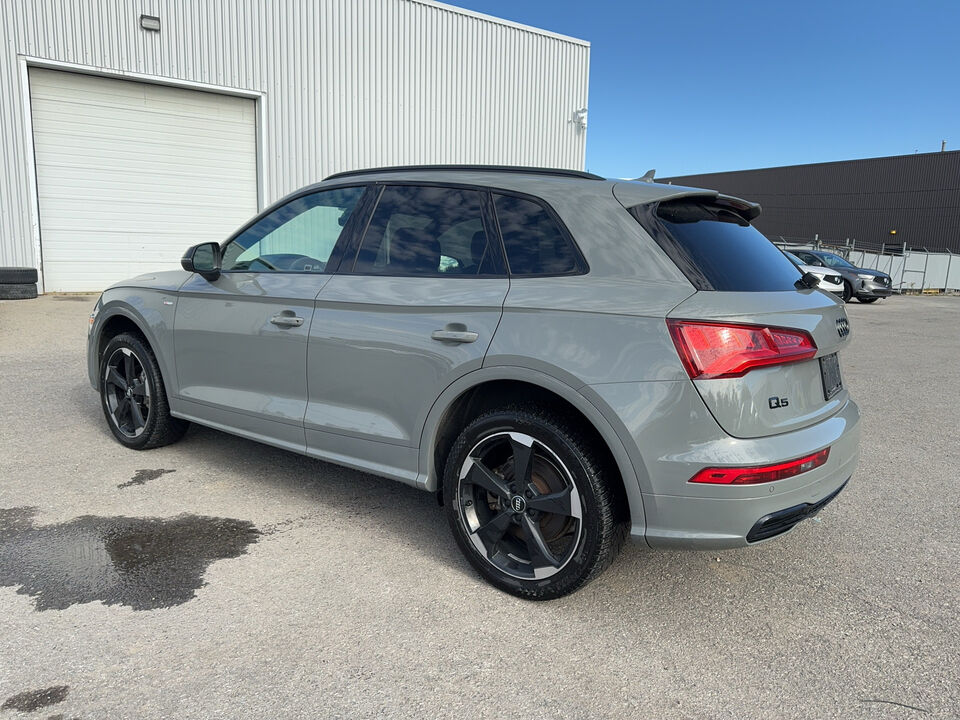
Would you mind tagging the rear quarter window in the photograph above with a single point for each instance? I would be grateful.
(533, 239)
(716, 248)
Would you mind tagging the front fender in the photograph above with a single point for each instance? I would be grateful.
(152, 312)
(428, 477)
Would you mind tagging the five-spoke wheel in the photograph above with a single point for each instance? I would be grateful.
(520, 504)
(528, 502)
(133, 396)
(127, 392)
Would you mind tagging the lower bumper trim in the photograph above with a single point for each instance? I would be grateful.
(782, 520)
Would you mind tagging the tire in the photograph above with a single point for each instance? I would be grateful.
(868, 300)
(507, 532)
(18, 276)
(847, 291)
(146, 422)
(22, 291)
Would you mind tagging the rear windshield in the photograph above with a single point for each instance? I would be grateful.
(716, 248)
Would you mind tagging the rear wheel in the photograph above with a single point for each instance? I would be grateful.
(847, 291)
(529, 503)
(133, 397)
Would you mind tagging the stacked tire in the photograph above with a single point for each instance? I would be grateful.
(18, 283)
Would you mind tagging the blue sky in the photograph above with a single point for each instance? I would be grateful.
(689, 87)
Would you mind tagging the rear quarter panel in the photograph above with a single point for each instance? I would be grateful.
(585, 330)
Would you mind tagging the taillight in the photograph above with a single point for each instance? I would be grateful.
(725, 350)
(762, 474)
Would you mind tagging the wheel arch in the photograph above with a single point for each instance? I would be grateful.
(495, 386)
(114, 319)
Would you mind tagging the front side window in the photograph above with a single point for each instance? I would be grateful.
(417, 230)
(298, 237)
(534, 242)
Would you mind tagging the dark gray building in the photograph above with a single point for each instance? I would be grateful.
(912, 199)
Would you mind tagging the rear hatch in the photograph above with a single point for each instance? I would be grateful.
(760, 346)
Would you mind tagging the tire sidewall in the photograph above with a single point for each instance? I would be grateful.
(145, 357)
(585, 474)
(847, 291)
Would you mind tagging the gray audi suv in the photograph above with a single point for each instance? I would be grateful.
(563, 360)
(864, 284)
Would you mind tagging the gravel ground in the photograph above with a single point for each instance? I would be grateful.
(300, 589)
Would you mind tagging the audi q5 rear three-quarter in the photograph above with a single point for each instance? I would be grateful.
(563, 359)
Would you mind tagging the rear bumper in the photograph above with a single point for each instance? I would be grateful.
(777, 523)
(679, 514)
(716, 523)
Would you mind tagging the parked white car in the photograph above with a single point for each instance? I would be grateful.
(829, 280)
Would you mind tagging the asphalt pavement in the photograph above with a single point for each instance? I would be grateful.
(219, 578)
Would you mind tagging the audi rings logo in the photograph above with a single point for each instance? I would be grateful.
(518, 503)
(843, 327)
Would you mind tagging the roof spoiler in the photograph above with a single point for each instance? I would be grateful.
(745, 209)
(633, 193)
(690, 207)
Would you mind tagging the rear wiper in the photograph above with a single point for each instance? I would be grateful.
(808, 280)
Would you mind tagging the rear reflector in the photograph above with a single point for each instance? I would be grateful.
(762, 474)
(725, 350)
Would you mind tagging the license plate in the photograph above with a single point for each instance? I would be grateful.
(830, 372)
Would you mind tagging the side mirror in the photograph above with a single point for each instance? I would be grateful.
(203, 259)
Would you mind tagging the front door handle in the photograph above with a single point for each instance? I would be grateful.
(287, 320)
(459, 336)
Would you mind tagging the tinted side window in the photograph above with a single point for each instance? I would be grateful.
(426, 231)
(298, 237)
(534, 242)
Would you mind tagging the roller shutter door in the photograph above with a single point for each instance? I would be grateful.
(130, 174)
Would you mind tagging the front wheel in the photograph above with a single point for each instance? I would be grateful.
(868, 300)
(530, 503)
(133, 397)
(847, 291)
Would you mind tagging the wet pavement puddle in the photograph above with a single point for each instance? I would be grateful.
(143, 563)
(36, 699)
(142, 477)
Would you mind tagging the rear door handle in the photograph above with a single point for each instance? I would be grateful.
(460, 336)
(287, 320)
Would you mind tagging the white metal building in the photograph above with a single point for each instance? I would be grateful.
(123, 143)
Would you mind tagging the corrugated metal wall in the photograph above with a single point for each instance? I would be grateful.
(346, 83)
(916, 195)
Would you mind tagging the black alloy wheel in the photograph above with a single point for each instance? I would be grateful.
(133, 396)
(532, 502)
(520, 504)
(127, 392)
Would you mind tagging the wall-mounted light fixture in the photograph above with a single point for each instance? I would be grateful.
(580, 118)
(150, 22)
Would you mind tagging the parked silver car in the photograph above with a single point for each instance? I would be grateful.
(864, 284)
(563, 359)
(826, 279)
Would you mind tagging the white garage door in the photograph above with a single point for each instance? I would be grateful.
(131, 174)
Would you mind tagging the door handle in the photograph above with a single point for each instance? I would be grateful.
(459, 336)
(287, 320)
